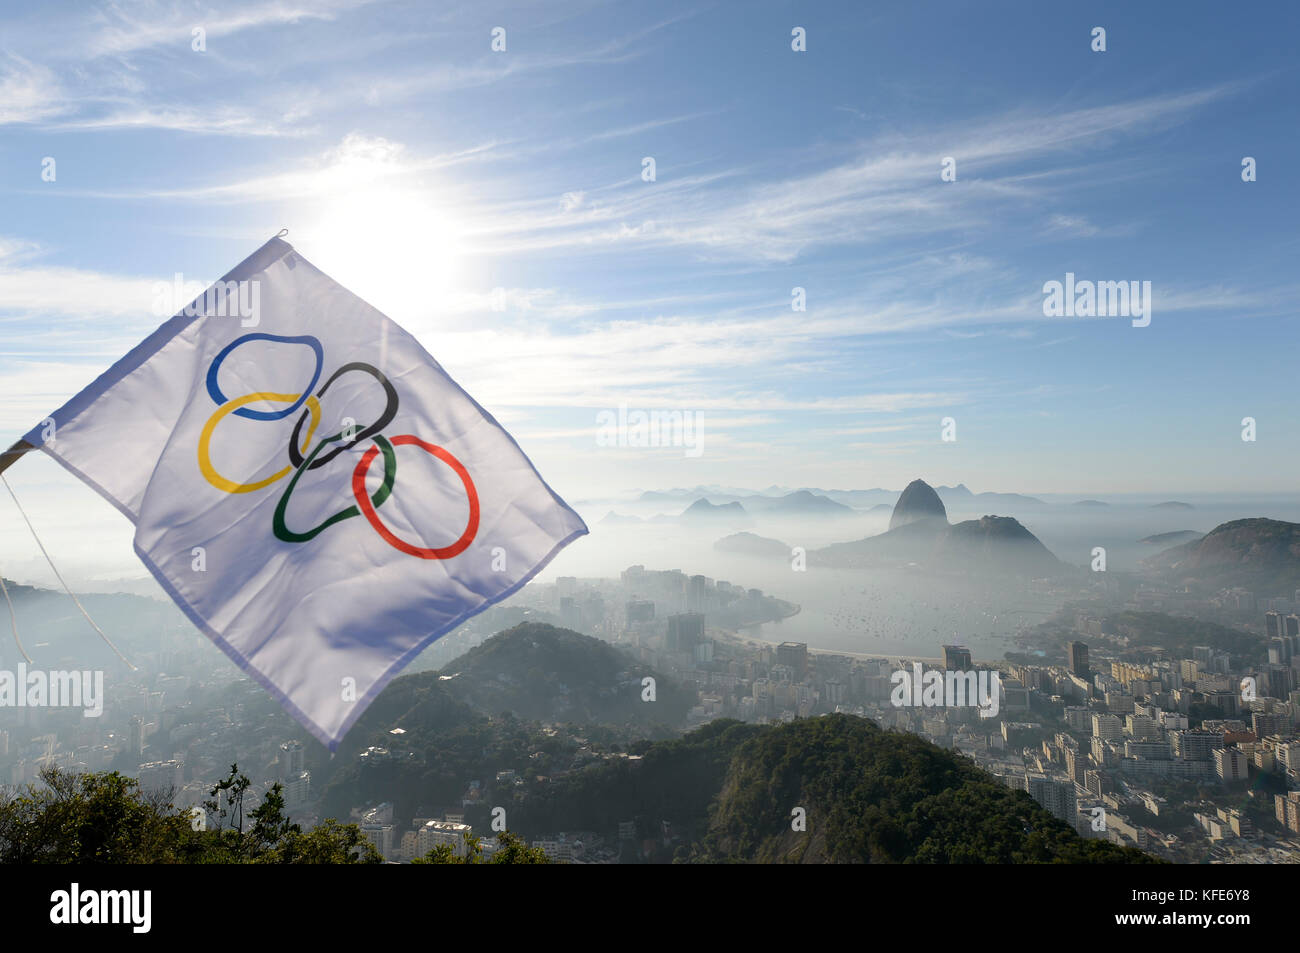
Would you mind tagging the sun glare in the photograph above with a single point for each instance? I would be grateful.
(393, 246)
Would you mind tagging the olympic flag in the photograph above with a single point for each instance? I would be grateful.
(309, 485)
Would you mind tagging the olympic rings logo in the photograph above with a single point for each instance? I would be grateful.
(301, 460)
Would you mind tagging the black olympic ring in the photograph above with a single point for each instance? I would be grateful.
(390, 411)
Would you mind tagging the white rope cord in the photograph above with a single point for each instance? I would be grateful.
(59, 575)
(13, 620)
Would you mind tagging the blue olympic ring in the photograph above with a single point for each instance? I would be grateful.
(214, 389)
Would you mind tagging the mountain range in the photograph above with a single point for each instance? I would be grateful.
(803, 504)
(702, 511)
(1259, 554)
(959, 495)
(57, 636)
(810, 498)
(920, 533)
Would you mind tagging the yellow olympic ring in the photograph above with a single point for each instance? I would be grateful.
(205, 460)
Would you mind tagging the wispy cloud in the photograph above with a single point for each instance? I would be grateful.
(144, 26)
(357, 160)
(890, 189)
(30, 288)
(491, 69)
(214, 121)
(28, 92)
(648, 126)
(1080, 226)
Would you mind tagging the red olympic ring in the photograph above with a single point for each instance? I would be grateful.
(368, 510)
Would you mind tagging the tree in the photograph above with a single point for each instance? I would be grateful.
(105, 818)
(91, 819)
(270, 825)
(327, 843)
(227, 800)
(511, 850)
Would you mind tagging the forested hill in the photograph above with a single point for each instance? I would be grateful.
(873, 796)
(547, 673)
(727, 792)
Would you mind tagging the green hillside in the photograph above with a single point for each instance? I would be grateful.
(725, 794)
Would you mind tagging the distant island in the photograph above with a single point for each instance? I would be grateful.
(751, 544)
(1169, 539)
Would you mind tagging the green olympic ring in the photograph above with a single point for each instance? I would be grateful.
(281, 529)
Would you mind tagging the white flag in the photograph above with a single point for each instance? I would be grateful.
(309, 485)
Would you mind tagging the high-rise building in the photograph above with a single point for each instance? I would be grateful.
(381, 836)
(956, 658)
(1078, 717)
(1230, 764)
(1076, 763)
(1078, 652)
(1264, 724)
(1277, 680)
(697, 594)
(685, 631)
(794, 655)
(297, 789)
(1273, 624)
(1098, 783)
(292, 759)
(1173, 721)
(434, 833)
(1288, 808)
(1147, 750)
(1196, 745)
(1107, 727)
(135, 736)
(1056, 795)
(1141, 727)
(1288, 754)
(161, 777)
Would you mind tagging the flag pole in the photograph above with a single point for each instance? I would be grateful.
(10, 456)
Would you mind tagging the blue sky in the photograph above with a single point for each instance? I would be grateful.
(423, 170)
